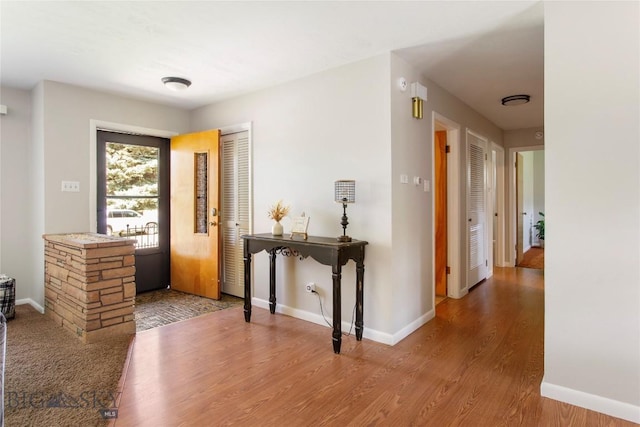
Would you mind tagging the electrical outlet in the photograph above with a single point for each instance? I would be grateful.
(311, 287)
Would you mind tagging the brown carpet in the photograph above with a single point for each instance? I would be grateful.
(53, 379)
(533, 258)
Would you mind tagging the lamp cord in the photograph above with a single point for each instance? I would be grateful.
(353, 315)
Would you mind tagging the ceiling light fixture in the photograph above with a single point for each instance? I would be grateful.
(515, 100)
(176, 83)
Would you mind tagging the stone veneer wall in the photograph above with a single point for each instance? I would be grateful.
(90, 284)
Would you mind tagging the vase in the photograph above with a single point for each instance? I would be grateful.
(276, 229)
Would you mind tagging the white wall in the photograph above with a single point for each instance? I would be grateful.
(411, 148)
(60, 150)
(307, 134)
(34, 286)
(523, 138)
(592, 274)
(15, 224)
(338, 124)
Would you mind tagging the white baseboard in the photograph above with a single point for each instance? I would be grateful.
(368, 333)
(32, 303)
(615, 408)
(411, 327)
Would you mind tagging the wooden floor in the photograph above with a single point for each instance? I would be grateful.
(478, 363)
(533, 258)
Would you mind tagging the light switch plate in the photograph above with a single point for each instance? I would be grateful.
(71, 186)
(404, 179)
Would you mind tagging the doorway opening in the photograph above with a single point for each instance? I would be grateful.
(447, 262)
(526, 181)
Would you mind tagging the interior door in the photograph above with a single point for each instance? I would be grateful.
(195, 175)
(520, 213)
(476, 209)
(236, 209)
(440, 196)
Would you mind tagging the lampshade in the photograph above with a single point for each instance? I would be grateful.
(176, 83)
(345, 191)
(515, 100)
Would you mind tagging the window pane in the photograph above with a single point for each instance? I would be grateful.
(132, 170)
(201, 192)
(132, 192)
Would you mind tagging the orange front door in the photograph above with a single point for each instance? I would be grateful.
(195, 244)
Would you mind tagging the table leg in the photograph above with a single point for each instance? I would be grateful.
(247, 283)
(359, 298)
(337, 308)
(272, 281)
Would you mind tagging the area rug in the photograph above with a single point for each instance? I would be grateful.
(165, 306)
(53, 379)
(533, 258)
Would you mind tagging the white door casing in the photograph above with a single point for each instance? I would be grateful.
(498, 212)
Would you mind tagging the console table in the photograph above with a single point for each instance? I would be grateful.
(325, 250)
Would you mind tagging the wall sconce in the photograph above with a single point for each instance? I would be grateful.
(345, 192)
(418, 96)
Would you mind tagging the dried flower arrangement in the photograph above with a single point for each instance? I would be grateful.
(278, 211)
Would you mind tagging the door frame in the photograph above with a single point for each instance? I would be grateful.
(510, 253)
(498, 170)
(152, 262)
(455, 280)
(94, 126)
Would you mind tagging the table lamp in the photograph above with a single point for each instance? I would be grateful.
(345, 192)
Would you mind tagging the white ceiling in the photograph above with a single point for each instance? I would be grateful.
(480, 51)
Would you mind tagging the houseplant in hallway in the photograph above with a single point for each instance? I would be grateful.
(540, 227)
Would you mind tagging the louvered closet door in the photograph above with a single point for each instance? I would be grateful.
(476, 209)
(236, 209)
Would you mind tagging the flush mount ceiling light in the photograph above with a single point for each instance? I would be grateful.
(176, 83)
(515, 100)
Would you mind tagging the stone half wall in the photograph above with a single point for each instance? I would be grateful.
(90, 284)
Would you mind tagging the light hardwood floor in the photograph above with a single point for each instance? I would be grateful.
(478, 363)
